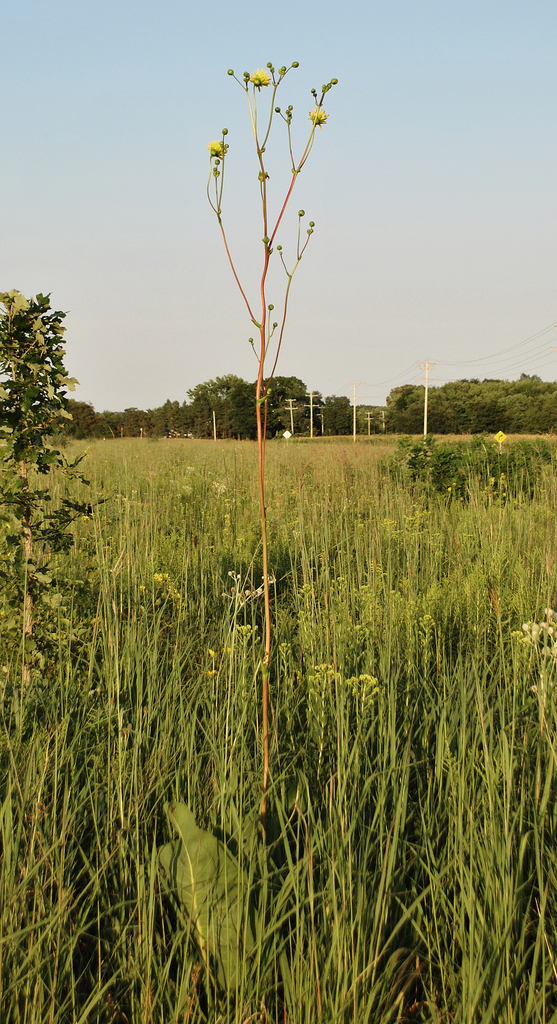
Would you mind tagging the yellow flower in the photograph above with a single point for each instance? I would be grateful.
(216, 148)
(318, 117)
(212, 654)
(212, 672)
(260, 77)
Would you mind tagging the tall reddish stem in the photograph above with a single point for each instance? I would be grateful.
(261, 445)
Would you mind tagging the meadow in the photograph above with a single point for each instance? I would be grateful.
(409, 868)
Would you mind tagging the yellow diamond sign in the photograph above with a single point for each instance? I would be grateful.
(500, 437)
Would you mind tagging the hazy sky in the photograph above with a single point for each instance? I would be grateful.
(432, 187)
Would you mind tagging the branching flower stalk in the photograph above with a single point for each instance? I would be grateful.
(252, 85)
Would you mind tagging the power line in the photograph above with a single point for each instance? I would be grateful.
(503, 352)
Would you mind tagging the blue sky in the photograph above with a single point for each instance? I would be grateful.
(432, 187)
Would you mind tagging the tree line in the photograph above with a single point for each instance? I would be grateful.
(524, 406)
(527, 405)
(232, 401)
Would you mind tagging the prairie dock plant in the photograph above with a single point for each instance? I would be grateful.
(262, 315)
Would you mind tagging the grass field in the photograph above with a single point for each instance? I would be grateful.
(410, 868)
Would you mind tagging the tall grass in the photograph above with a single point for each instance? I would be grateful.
(410, 870)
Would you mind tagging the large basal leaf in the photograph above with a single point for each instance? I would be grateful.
(205, 876)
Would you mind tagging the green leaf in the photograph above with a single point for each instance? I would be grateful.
(42, 577)
(205, 876)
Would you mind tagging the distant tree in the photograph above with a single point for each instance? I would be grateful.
(212, 396)
(337, 415)
(114, 422)
(170, 419)
(376, 417)
(405, 409)
(136, 422)
(280, 391)
(486, 413)
(84, 422)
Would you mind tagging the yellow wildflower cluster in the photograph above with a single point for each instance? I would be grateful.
(216, 149)
(164, 583)
(318, 117)
(260, 78)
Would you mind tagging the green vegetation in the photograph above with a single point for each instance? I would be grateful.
(501, 471)
(410, 868)
(524, 406)
(232, 400)
(33, 400)
(528, 405)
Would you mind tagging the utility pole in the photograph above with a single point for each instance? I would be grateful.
(426, 366)
(368, 414)
(383, 423)
(311, 410)
(214, 425)
(291, 407)
(355, 384)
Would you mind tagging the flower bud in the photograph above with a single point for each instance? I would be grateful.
(270, 66)
(295, 64)
(271, 306)
(279, 248)
(334, 81)
(225, 131)
(230, 71)
(246, 76)
(312, 223)
(301, 213)
(277, 110)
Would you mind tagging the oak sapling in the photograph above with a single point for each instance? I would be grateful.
(33, 401)
(262, 315)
